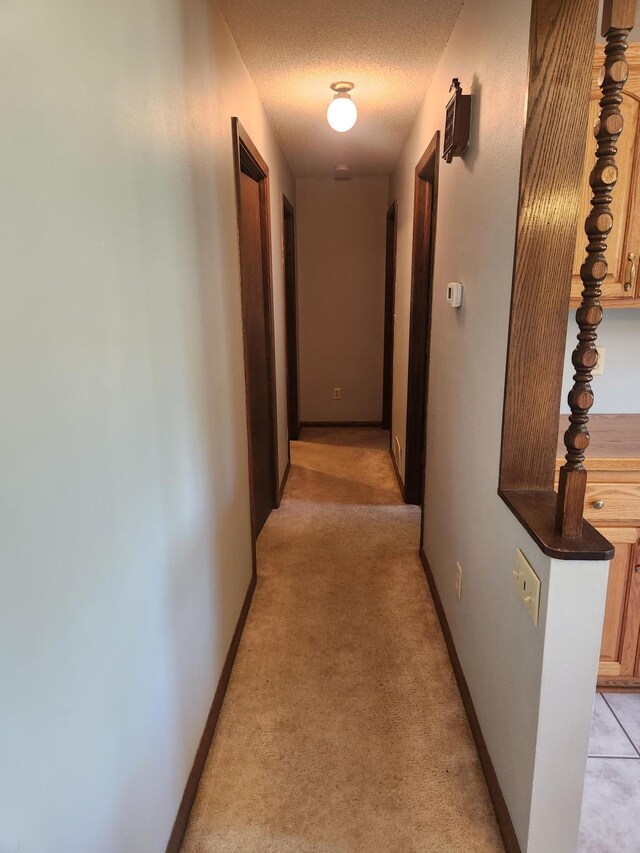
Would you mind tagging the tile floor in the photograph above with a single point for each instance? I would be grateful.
(610, 821)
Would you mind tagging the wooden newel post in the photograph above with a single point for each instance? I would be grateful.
(617, 21)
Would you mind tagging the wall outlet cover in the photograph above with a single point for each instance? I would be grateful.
(526, 585)
(337, 393)
(458, 586)
(598, 370)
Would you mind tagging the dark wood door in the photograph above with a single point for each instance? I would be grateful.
(291, 317)
(389, 315)
(424, 219)
(255, 316)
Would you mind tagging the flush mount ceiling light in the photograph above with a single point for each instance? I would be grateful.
(342, 112)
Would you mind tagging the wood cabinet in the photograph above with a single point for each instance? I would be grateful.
(619, 660)
(621, 287)
(612, 505)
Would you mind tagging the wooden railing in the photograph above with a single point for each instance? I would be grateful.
(617, 21)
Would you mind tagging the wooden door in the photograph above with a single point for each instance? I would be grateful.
(620, 286)
(621, 627)
(389, 314)
(291, 316)
(257, 322)
(424, 218)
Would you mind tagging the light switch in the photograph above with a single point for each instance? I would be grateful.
(598, 370)
(526, 584)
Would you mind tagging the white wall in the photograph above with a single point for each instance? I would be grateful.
(618, 389)
(341, 232)
(532, 687)
(125, 550)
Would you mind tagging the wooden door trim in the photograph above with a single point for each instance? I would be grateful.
(389, 316)
(290, 310)
(247, 158)
(426, 171)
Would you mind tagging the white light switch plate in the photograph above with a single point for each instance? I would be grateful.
(526, 584)
(598, 370)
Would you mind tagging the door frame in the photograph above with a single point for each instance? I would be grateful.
(289, 278)
(389, 316)
(426, 172)
(247, 158)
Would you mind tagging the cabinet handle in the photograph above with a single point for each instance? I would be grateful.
(598, 504)
(632, 272)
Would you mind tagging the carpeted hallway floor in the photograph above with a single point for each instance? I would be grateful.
(342, 728)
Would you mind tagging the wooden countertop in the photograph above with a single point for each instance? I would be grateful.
(615, 443)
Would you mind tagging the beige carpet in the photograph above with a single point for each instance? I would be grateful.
(342, 728)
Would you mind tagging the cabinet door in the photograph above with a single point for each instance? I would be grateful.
(621, 627)
(620, 283)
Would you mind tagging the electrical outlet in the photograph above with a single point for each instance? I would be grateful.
(458, 581)
(526, 585)
(398, 452)
(598, 370)
(337, 393)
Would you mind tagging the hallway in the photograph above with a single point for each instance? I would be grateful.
(342, 728)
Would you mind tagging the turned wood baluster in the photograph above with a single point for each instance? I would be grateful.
(617, 21)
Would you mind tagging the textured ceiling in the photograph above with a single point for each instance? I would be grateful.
(294, 50)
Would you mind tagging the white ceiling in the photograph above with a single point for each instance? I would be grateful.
(294, 50)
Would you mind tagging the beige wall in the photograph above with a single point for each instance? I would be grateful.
(124, 514)
(341, 228)
(532, 687)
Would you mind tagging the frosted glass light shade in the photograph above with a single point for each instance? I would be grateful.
(342, 113)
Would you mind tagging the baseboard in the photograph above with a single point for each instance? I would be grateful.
(182, 818)
(376, 424)
(398, 477)
(495, 792)
(284, 481)
(618, 685)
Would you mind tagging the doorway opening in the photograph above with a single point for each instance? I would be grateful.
(424, 228)
(291, 316)
(389, 314)
(252, 194)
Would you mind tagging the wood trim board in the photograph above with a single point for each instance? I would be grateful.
(283, 484)
(619, 685)
(536, 512)
(193, 780)
(248, 159)
(423, 253)
(290, 317)
(391, 250)
(372, 424)
(503, 817)
(397, 473)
